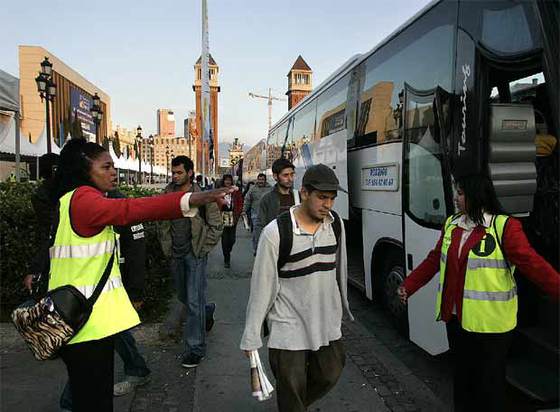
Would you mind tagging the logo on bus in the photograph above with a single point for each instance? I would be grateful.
(466, 68)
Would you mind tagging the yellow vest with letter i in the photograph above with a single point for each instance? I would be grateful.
(490, 292)
(80, 262)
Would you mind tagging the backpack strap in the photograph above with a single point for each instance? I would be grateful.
(499, 236)
(337, 227)
(286, 231)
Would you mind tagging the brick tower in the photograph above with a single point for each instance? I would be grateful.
(214, 90)
(299, 82)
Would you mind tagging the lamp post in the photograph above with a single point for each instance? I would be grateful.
(151, 146)
(139, 152)
(47, 91)
(167, 163)
(97, 115)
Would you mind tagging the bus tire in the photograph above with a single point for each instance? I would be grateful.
(393, 277)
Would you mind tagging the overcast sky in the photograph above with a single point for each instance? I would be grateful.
(142, 52)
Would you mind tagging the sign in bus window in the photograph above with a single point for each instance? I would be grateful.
(381, 177)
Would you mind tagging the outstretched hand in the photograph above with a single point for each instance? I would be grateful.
(403, 296)
(210, 196)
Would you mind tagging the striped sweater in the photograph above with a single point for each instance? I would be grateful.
(303, 302)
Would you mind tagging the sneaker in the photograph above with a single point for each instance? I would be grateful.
(129, 384)
(210, 319)
(191, 361)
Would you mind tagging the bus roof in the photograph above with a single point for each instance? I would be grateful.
(354, 61)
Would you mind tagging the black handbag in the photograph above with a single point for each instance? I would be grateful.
(48, 324)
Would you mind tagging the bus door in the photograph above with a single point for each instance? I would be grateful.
(426, 202)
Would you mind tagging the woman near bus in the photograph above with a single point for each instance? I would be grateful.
(476, 256)
(82, 248)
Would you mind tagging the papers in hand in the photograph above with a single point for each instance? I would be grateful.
(261, 387)
(246, 223)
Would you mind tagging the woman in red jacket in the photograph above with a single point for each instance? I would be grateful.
(476, 255)
(87, 171)
(230, 212)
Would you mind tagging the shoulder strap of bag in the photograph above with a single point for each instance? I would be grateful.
(101, 284)
(285, 229)
(336, 227)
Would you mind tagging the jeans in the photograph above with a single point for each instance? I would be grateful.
(134, 364)
(228, 240)
(191, 282)
(254, 232)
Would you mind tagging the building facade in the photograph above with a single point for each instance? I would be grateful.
(214, 90)
(299, 82)
(166, 123)
(70, 110)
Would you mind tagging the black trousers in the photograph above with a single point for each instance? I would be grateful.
(228, 240)
(90, 369)
(304, 376)
(479, 382)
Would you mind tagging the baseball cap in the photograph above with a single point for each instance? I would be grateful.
(321, 177)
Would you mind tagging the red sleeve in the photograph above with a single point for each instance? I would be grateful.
(91, 211)
(518, 251)
(425, 271)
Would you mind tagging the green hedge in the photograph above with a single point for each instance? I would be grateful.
(18, 243)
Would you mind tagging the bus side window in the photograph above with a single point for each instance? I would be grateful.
(331, 109)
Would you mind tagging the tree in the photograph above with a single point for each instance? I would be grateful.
(117, 145)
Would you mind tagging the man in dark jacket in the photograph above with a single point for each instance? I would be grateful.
(280, 198)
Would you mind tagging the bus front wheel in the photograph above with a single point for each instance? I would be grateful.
(393, 277)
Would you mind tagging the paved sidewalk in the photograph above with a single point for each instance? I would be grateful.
(373, 380)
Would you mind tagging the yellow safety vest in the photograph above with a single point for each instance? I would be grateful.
(490, 292)
(80, 262)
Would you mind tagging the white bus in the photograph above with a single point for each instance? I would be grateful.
(453, 89)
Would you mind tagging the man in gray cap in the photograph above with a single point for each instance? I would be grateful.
(298, 288)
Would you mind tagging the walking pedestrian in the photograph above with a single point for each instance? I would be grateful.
(299, 287)
(280, 198)
(44, 203)
(476, 255)
(191, 241)
(82, 248)
(230, 216)
(251, 204)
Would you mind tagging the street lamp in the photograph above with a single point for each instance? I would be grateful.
(97, 115)
(167, 163)
(139, 152)
(47, 91)
(151, 146)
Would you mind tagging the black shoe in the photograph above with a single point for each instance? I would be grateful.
(210, 319)
(191, 361)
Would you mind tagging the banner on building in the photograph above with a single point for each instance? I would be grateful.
(81, 104)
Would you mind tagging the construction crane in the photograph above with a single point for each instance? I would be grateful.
(270, 98)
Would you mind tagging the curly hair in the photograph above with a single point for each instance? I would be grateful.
(74, 165)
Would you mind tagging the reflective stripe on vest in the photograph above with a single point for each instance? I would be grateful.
(490, 293)
(112, 283)
(81, 251)
(80, 262)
